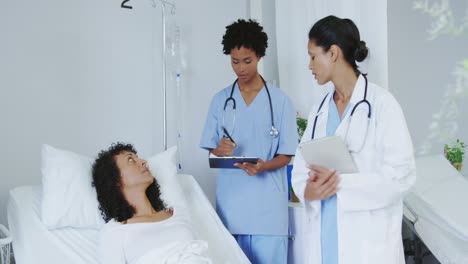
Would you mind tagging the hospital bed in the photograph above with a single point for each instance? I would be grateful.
(34, 243)
(435, 209)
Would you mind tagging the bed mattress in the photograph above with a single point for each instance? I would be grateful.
(34, 243)
(439, 196)
(446, 247)
(435, 206)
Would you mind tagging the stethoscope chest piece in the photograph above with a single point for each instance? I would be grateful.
(274, 132)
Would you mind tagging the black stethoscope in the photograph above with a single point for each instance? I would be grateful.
(363, 101)
(273, 131)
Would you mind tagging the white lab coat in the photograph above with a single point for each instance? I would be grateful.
(369, 203)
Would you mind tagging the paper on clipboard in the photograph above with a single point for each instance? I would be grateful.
(228, 162)
(329, 152)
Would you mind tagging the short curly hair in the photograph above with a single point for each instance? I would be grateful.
(107, 181)
(248, 34)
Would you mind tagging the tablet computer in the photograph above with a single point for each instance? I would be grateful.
(329, 152)
(228, 162)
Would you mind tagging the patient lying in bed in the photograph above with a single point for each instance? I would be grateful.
(140, 228)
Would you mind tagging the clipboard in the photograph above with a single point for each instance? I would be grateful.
(228, 162)
(329, 152)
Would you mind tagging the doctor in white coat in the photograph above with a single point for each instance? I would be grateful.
(353, 218)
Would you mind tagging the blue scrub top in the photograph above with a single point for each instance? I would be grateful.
(329, 232)
(253, 205)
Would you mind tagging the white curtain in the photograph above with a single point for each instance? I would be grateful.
(293, 22)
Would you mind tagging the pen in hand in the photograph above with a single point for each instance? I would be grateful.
(226, 134)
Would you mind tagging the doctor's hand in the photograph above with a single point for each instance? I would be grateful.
(225, 148)
(322, 183)
(250, 168)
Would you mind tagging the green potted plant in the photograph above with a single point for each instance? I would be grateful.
(301, 126)
(455, 153)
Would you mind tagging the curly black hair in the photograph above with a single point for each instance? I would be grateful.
(107, 181)
(248, 34)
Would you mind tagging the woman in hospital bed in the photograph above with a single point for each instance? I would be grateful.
(140, 227)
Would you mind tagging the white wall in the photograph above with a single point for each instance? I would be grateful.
(421, 72)
(208, 71)
(293, 22)
(76, 75)
(264, 12)
(425, 75)
(80, 75)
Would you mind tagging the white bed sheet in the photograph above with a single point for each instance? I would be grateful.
(436, 207)
(439, 196)
(446, 247)
(33, 243)
(223, 248)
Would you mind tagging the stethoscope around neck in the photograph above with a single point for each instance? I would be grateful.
(273, 131)
(363, 101)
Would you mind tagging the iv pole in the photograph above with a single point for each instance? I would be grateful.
(164, 72)
(164, 66)
(164, 3)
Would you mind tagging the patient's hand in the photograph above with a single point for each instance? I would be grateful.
(250, 168)
(225, 148)
(322, 183)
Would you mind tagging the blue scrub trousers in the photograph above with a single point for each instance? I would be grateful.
(264, 249)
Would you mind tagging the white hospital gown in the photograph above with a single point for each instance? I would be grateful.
(153, 242)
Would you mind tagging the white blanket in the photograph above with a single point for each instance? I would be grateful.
(192, 252)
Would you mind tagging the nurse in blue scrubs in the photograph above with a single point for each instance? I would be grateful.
(256, 119)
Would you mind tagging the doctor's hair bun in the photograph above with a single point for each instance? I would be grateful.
(361, 52)
(245, 33)
(342, 32)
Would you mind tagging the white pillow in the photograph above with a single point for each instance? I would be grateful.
(163, 167)
(69, 199)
